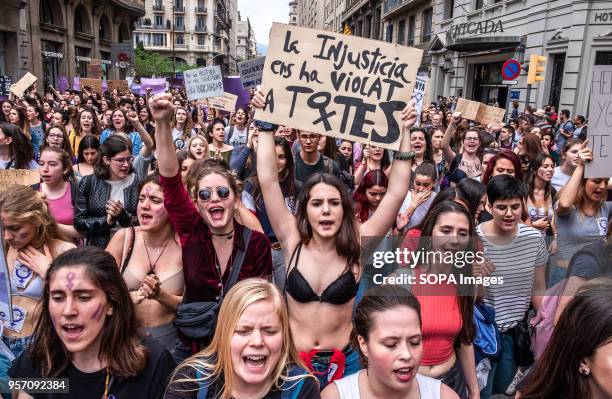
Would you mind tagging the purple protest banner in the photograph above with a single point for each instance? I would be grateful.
(62, 83)
(232, 84)
(157, 85)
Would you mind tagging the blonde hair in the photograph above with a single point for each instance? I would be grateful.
(215, 361)
(24, 205)
(201, 138)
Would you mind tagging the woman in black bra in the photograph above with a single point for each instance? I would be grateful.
(321, 246)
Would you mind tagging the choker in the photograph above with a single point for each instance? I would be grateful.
(229, 235)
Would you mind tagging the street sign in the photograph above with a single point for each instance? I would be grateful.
(515, 94)
(511, 69)
(510, 82)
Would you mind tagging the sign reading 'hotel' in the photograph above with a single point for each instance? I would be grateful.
(474, 28)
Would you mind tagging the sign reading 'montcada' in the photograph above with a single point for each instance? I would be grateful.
(474, 28)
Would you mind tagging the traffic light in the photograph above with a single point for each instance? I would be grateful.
(536, 71)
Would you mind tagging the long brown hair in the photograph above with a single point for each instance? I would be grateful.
(584, 326)
(120, 344)
(465, 298)
(95, 124)
(347, 240)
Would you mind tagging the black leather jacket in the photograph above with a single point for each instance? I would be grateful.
(90, 209)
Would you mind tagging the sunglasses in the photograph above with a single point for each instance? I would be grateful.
(205, 194)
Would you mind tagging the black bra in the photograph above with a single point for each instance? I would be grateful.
(339, 292)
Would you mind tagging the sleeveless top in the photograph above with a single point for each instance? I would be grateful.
(61, 208)
(34, 288)
(348, 387)
(133, 278)
(339, 292)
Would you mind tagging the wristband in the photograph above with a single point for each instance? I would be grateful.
(404, 156)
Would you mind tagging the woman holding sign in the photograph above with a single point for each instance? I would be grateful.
(322, 251)
(581, 214)
(33, 239)
(469, 159)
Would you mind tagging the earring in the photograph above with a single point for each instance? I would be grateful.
(584, 371)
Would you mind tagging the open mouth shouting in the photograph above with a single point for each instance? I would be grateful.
(404, 374)
(72, 331)
(216, 213)
(255, 363)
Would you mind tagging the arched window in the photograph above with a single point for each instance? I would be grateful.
(46, 12)
(78, 22)
(105, 30)
(81, 20)
(180, 39)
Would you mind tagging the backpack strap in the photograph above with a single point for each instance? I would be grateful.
(128, 256)
(328, 167)
(230, 134)
(238, 261)
(291, 388)
(202, 386)
(455, 163)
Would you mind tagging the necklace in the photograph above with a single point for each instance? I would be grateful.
(229, 235)
(106, 384)
(152, 266)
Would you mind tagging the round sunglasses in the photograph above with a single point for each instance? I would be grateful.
(205, 194)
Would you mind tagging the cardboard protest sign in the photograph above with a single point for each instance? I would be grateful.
(5, 289)
(94, 69)
(226, 102)
(23, 83)
(23, 177)
(94, 84)
(600, 123)
(203, 82)
(251, 72)
(121, 85)
(157, 85)
(419, 96)
(337, 85)
(479, 112)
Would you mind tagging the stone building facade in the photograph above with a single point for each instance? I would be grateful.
(363, 17)
(53, 38)
(194, 32)
(474, 38)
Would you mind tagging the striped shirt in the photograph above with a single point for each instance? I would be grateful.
(516, 263)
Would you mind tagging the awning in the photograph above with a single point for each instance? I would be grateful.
(482, 43)
(51, 54)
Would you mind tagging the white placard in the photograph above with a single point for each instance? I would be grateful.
(251, 72)
(203, 82)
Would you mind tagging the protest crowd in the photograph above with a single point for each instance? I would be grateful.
(170, 249)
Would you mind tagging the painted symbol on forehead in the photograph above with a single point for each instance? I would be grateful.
(69, 279)
(97, 315)
(148, 190)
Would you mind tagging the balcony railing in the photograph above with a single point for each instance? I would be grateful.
(179, 10)
(179, 28)
(199, 28)
(200, 10)
(158, 8)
